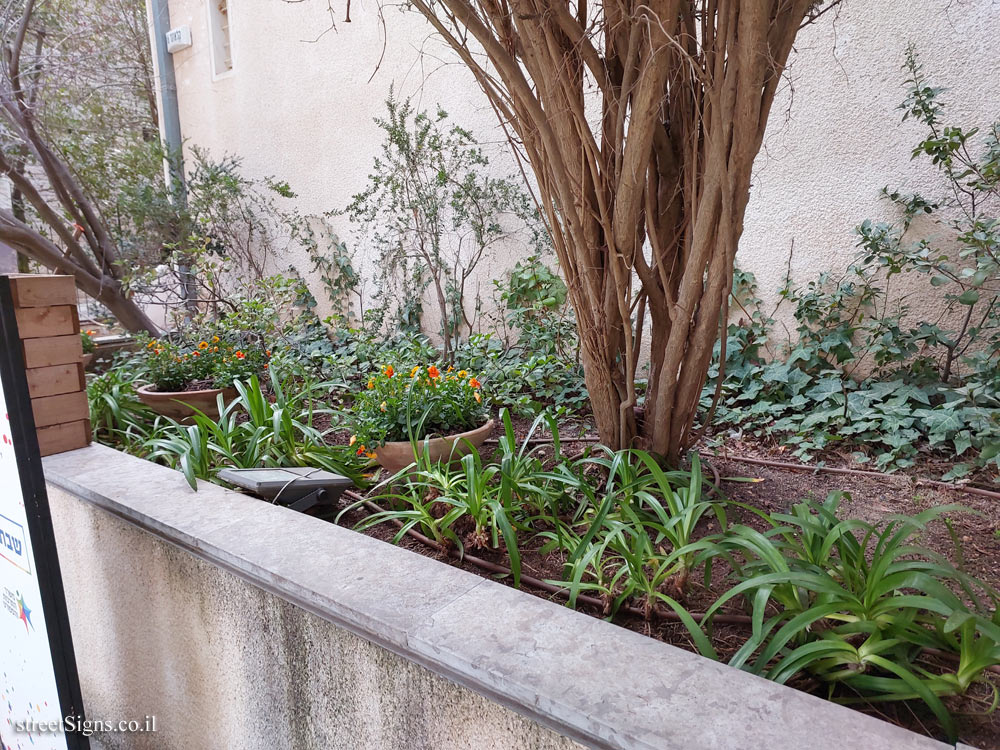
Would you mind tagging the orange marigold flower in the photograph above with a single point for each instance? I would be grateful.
(433, 372)
(361, 450)
(473, 383)
(91, 333)
(240, 355)
(215, 339)
(370, 454)
(414, 371)
(267, 352)
(389, 372)
(203, 345)
(195, 354)
(371, 384)
(151, 344)
(479, 398)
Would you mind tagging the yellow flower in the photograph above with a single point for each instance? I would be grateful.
(215, 339)
(203, 345)
(414, 371)
(370, 454)
(479, 398)
(371, 384)
(354, 439)
(151, 344)
(384, 406)
(463, 374)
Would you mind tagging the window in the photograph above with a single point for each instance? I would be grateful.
(222, 49)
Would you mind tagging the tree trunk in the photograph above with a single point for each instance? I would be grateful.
(105, 289)
(644, 201)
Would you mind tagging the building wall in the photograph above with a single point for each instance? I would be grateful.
(836, 137)
(300, 100)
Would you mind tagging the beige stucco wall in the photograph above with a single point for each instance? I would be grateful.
(223, 664)
(835, 137)
(300, 108)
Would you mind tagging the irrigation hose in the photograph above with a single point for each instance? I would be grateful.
(860, 472)
(805, 467)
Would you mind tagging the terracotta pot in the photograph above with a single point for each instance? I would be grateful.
(395, 456)
(177, 404)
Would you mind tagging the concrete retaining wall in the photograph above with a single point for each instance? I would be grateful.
(240, 624)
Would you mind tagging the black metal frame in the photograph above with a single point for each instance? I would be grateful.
(36, 504)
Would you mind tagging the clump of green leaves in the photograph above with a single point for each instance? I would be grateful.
(854, 604)
(931, 382)
(254, 430)
(534, 298)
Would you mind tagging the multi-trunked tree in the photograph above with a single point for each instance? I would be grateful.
(645, 181)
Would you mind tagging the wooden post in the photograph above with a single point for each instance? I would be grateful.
(49, 332)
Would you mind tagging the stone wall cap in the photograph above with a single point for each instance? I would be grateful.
(601, 684)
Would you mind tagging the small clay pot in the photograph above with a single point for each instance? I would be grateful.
(395, 456)
(178, 404)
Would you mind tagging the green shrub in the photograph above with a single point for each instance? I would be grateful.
(930, 383)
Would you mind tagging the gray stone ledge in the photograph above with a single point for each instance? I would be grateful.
(588, 679)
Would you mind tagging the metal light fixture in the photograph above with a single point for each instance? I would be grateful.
(299, 488)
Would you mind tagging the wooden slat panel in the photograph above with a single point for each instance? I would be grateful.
(68, 407)
(36, 290)
(51, 381)
(58, 350)
(39, 322)
(63, 437)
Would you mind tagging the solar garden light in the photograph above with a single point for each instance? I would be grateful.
(299, 488)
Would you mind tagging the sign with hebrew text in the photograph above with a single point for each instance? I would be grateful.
(38, 681)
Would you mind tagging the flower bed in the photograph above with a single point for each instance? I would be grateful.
(211, 362)
(855, 610)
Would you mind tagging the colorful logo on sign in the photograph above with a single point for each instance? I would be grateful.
(23, 613)
(13, 544)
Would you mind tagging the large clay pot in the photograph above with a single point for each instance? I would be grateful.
(178, 404)
(395, 456)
